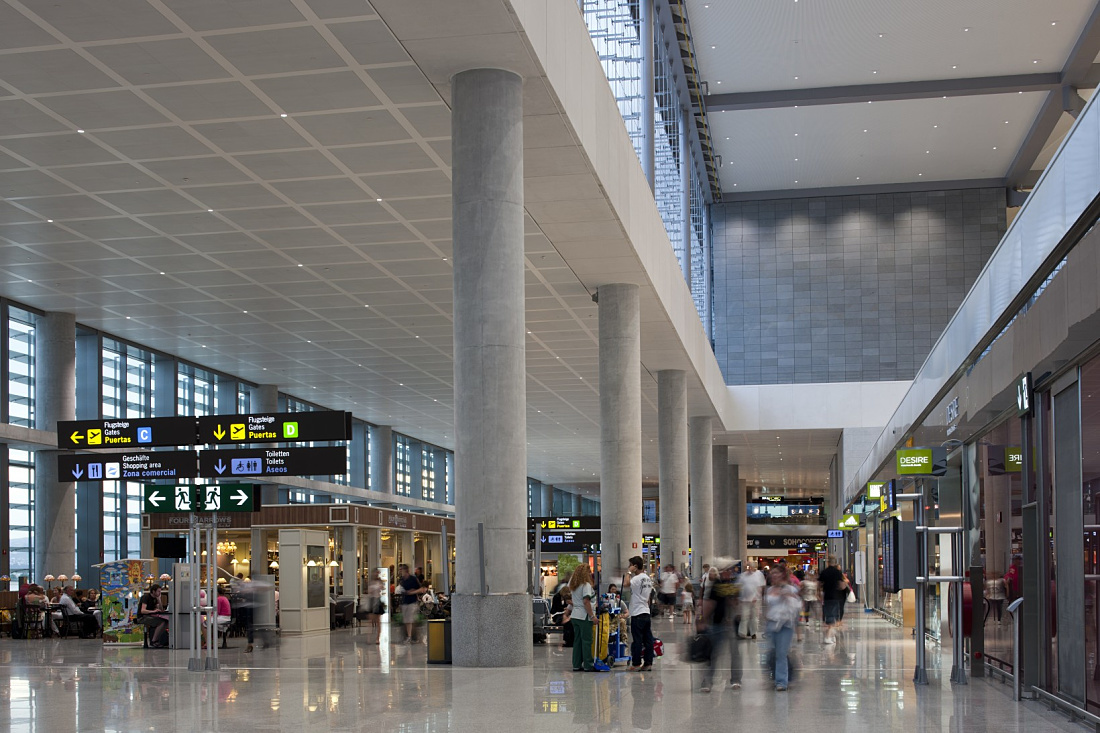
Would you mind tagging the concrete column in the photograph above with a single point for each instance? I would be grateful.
(55, 399)
(998, 530)
(620, 427)
(547, 500)
(722, 530)
(739, 513)
(702, 493)
(490, 372)
(381, 458)
(265, 398)
(672, 444)
(575, 502)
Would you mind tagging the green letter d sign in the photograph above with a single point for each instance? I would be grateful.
(290, 430)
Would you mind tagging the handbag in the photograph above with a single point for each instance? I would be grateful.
(658, 648)
(851, 596)
(699, 648)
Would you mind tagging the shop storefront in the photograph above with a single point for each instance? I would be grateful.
(359, 539)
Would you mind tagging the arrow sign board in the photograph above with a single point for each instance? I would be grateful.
(129, 466)
(275, 427)
(126, 433)
(160, 498)
(226, 498)
(273, 462)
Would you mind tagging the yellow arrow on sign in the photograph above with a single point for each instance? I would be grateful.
(76, 437)
(219, 433)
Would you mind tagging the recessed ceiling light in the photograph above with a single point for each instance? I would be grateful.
(796, 1)
(1035, 61)
(378, 199)
(880, 35)
(735, 185)
(49, 221)
(718, 82)
(162, 273)
(796, 160)
(796, 78)
(727, 138)
(127, 318)
(994, 147)
(966, 30)
(1054, 22)
(874, 71)
(80, 131)
(935, 126)
(1006, 122)
(920, 174)
(857, 178)
(210, 211)
(366, 306)
(865, 131)
(714, 47)
(796, 134)
(954, 66)
(926, 152)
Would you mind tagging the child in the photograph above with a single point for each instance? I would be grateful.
(687, 601)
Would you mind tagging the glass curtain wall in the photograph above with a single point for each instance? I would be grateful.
(614, 28)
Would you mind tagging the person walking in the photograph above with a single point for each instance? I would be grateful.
(751, 582)
(714, 619)
(641, 623)
(834, 593)
(580, 584)
(410, 600)
(669, 586)
(783, 609)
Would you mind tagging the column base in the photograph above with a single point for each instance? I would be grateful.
(491, 631)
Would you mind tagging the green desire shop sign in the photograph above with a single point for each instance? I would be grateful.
(921, 462)
(1004, 459)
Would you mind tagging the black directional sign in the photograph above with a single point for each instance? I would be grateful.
(129, 466)
(275, 427)
(126, 432)
(273, 462)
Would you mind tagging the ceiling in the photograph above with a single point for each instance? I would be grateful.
(264, 188)
(767, 46)
(784, 459)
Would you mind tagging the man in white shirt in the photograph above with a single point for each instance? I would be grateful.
(641, 629)
(73, 611)
(670, 586)
(752, 583)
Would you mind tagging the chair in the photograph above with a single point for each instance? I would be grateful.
(223, 630)
(32, 621)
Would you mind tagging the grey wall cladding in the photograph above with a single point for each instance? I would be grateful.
(844, 288)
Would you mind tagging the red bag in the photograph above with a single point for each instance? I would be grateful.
(658, 648)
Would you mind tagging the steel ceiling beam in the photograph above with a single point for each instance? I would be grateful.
(1079, 71)
(889, 92)
(874, 188)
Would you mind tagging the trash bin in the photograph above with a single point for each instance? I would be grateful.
(439, 641)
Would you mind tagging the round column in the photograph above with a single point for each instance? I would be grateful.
(55, 400)
(700, 437)
(492, 621)
(620, 428)
(381, 458)
(721, 529)
(547, 500)
(672, 445)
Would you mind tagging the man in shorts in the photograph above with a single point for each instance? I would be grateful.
(668, 588)
(410, 600)
(834, 593)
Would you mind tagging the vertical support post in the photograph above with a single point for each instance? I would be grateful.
(920, 676)
(212, 594)
(194, 661)
(685, 194)
(645, 40)
(956, 569)
(481, 557)
(446, 560)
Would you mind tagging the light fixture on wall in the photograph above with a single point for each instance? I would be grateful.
(274, 564)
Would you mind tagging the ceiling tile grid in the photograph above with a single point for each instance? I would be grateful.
(264, 188)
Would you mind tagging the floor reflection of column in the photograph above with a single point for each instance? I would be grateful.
(479, 704)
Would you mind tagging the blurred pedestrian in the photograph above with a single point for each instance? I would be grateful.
(782, 611)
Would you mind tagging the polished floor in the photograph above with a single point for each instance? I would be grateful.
(346, 682)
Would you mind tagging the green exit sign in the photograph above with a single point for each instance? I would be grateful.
(206, 498)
